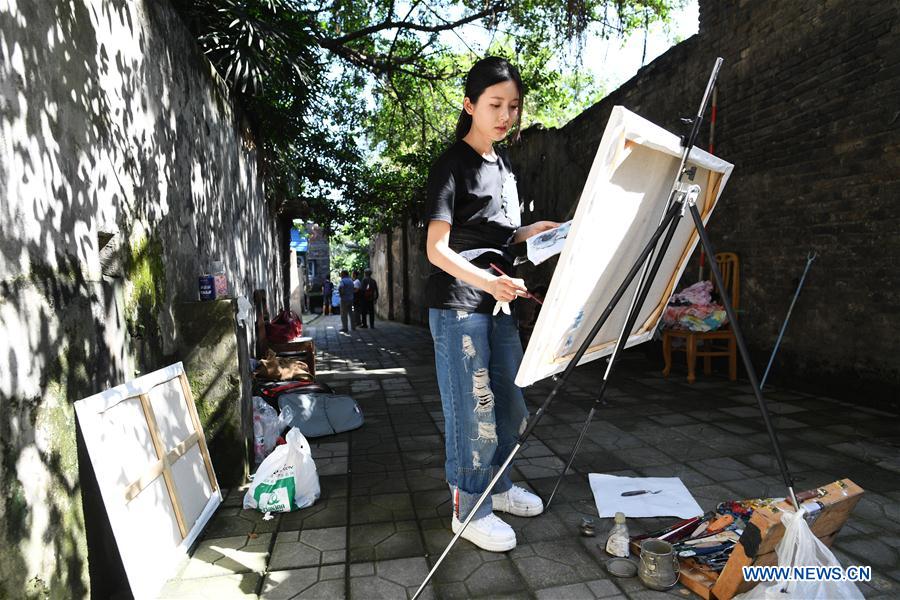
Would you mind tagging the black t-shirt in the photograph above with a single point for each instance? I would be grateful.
(478, 197)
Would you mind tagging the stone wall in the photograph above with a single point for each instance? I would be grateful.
(808, 113)
(380, 262)
(810, 116)
(400, 267)
(320, 253)
(318, 266)
(123, 174)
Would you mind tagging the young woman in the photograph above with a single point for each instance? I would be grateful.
(473, 212)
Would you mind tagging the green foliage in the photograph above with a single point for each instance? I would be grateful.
(267, 52)
(415, 120)
(552, 96)
(349, 250)
(352, 101)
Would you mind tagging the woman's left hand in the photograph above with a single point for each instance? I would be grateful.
(532, 230)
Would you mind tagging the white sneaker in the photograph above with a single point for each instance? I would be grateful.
(488, 533)
(518, 501)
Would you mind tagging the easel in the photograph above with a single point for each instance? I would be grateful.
(682, 199)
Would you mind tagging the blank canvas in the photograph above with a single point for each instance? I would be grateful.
(153, 468)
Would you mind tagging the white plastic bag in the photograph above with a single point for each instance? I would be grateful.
(266, 426)
(287, 479)
(801, 548)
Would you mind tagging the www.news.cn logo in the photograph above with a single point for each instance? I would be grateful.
(775, 573)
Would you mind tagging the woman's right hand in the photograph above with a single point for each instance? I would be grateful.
(506, 289)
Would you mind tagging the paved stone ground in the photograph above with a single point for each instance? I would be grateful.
(384, 511)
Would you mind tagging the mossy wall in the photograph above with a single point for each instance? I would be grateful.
(208, 346)
(145, 296)
(43, 526)
(123, 174)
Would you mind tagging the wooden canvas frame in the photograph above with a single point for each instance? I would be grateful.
(153, 467)
(621, 205)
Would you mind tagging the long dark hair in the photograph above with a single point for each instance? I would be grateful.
(483, 74)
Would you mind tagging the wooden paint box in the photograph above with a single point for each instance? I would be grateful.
(758, 542)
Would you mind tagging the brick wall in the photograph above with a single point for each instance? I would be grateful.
(809, 109)
(401, 269)
(809, 113)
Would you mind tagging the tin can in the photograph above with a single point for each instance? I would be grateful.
(207, 287)
(220, 285)
(659, 568)
(587, 527)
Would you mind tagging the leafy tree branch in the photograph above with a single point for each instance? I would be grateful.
(351, 101)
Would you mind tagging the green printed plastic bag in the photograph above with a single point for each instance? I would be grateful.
(287, 479)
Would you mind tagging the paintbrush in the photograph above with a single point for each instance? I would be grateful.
(526, 294)
(675, 532)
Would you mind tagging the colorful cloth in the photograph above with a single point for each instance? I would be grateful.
(692, 309)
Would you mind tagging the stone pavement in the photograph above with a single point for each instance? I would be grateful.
(385, 508)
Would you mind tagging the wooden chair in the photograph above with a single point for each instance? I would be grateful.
(303, 348)
(708, 344)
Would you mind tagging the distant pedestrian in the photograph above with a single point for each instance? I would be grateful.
(369, 295)
(357, 298)
(327, 289)
(345, 289)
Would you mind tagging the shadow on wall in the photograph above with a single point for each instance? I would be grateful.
(55, 347)
(122, 177)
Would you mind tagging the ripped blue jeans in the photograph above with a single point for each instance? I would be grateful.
(477, 356)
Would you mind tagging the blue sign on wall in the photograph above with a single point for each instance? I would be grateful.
(298, 243)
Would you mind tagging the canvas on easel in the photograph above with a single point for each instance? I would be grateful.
(621, 205)
(154, 471)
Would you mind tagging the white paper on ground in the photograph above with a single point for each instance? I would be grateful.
(673, 501)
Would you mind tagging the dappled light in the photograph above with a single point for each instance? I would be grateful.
(125, 171)
(152, 148)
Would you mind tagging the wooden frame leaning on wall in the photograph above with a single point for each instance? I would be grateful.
(153, 467)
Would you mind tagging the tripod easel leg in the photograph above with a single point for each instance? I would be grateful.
(643, 288)
(742, 347)
(669, 217)
(745, 354)
(640, 297)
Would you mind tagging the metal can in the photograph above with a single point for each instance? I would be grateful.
(587, 527)
(207, 287)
